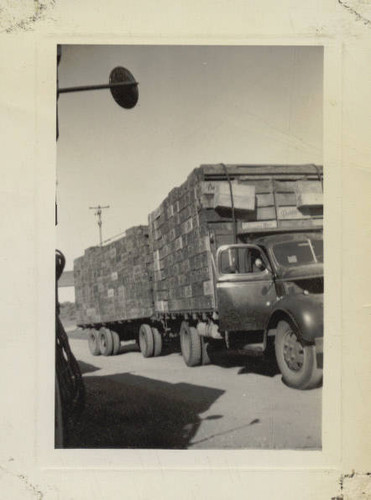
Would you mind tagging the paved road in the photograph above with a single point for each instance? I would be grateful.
(240, 402)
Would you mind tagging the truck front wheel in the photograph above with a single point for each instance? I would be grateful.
(296, 360)
(190, 344)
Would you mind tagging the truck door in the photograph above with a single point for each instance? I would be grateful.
(245, 288)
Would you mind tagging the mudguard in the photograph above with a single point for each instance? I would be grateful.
(306, 312)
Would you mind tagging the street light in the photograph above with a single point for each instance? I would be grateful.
(69, 387)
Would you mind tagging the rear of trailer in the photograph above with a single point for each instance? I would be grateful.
(113, 290)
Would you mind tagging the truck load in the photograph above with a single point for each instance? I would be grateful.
(233, 256)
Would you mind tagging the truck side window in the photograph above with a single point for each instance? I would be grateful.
(229, 262)
(241, 261)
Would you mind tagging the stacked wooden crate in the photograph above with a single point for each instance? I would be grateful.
(180, 236)
(114, 282)
(182, 271)
(286, 197)
(167, 266)
(196, 218)
(86, 290)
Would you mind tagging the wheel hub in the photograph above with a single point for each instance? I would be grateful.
(293, 352)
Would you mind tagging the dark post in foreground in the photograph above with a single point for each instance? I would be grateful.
(69, 387)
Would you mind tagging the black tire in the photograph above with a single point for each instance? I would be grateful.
(146, 341)
(296, 360)
(157, 342)
(116, 343)
(190, 344)
(105, 342)
(93, 342)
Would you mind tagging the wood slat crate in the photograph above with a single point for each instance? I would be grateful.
(114, 282)
(265, 198)
(167, 265)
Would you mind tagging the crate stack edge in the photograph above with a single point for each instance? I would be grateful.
(114, 282)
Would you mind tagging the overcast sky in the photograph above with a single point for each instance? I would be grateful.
(197, 104)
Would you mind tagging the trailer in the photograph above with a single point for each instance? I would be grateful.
(232, 257)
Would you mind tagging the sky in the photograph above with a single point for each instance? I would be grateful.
(197, 104)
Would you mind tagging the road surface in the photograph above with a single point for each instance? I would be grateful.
(238, 403)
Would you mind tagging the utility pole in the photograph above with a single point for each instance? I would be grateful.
(98, 213)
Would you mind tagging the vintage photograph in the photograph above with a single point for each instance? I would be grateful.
(189, 228)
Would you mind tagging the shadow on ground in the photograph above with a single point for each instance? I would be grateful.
(87, 367)
(130, 411)
(265, 364)
(261, 365)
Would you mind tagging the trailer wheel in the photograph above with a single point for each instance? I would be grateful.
(116, 342)
(295, 359)
(93, 342)
(157, 342)
(105, 342)
(146, 341)
(190, 344)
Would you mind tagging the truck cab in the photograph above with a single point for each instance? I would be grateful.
(270, 289)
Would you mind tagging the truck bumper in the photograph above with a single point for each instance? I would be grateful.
(319, 351)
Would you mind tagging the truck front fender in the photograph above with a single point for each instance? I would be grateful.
(306, 313)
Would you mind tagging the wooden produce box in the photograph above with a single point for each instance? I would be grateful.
(114, 282)
(196, 218)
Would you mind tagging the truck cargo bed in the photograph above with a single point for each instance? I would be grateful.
(166, 267)
(197, 217)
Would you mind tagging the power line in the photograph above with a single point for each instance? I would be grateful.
(98, 213)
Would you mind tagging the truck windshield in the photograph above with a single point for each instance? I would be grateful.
(298, 253)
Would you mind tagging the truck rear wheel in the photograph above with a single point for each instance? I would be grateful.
(296, 360)
(116, 342)
(105, 342)
(93, 342)
(146, 341)
(157, 342)
(190, 344)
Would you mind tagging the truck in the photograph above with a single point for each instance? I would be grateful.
(232, 258)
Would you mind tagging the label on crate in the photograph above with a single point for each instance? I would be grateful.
(114, 276)
(110, 292)
(187, 226)
(218, 195)
(209, 187)
(266, 224)
(178, 243)
(290, 213)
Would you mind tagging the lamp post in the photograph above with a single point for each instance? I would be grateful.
(69, 387)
